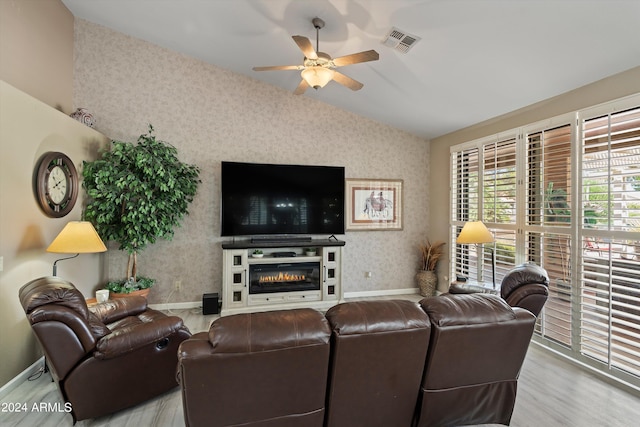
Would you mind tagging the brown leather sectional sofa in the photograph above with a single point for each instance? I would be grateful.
(449, 360)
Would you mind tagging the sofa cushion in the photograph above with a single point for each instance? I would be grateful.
(52, 290)
(263, 331)
(467, 309)
(375, 316)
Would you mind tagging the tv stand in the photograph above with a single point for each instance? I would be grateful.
(239, 262)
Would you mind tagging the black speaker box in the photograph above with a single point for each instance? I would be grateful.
(210, 303)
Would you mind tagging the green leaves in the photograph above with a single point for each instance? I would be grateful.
(138, 192)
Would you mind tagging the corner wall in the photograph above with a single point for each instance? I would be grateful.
(28, 129)
(36, 75)
(36, 50)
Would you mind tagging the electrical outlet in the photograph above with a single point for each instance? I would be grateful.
(177, 285)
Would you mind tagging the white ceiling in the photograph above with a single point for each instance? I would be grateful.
(477, 58)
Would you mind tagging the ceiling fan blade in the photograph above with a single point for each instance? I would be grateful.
(279, 67)
(302, 87)
(366, 56)
(305, 46)
(347, 81)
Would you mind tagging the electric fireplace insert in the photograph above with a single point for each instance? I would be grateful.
(285, 277)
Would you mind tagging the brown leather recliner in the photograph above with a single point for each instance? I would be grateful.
(266, 369)
(378, 355)
(478, 345)
(526, 286)
(105, 358)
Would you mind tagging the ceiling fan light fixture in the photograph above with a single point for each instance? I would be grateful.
(317, 77)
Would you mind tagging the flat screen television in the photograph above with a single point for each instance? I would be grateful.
(278, 200)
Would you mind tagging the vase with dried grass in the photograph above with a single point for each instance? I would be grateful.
(426, 277)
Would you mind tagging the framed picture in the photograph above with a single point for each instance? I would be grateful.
(374, 204)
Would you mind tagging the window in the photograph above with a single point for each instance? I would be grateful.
(548, 221)
(610, 261)
(491, 166)
(564, 194)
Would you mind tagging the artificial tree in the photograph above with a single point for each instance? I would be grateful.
(138, 192)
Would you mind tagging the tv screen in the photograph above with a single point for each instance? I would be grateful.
(270, 199)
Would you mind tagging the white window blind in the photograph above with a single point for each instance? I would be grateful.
(548, 222)
(565, 194)
(464, 206)
(484, 188)
(610, 256)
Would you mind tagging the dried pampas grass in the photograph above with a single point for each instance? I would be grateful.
(431, 254)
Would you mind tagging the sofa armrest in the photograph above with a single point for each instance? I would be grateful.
(70, 318)
(119, 308)
(532, 297)
(525, 291)
(133, 337)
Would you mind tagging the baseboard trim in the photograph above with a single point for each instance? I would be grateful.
(356, 294)
(176, 305)
(21, 377)
(381, 293)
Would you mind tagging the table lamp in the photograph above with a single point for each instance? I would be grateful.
(77, 237)
(475, 233)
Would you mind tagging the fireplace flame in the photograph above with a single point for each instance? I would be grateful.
(281, 277)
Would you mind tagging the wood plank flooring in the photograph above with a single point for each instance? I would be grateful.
(551, 392)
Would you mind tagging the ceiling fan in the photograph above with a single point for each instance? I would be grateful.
(318, 68)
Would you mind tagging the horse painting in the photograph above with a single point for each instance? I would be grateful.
(378, 207)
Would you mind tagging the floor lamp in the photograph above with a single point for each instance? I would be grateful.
(77, 237)
(475, 233)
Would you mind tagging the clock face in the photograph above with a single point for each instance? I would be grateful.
(56, 184)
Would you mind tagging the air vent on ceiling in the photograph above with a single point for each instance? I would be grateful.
(400, 40)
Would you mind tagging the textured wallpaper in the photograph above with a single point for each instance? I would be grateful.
(211, 114)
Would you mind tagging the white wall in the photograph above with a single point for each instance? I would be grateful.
(29, 128)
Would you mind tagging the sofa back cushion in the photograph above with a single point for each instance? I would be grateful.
(257, 369)
(377, 358)
(476, 338)
(478, 345)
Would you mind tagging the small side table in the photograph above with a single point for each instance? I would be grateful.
(473, 288)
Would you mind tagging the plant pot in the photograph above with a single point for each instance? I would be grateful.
(140, 292)
(427, 282)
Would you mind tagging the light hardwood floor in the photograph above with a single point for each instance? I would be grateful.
(551, 392)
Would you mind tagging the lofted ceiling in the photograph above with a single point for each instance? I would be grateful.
(476, 59)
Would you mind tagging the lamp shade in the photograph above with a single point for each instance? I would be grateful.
(77, 237)
(474, 232)
(317, 77)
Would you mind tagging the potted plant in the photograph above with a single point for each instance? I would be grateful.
(257, 253)
(138, 192)
(426, 277)
(310, 251)
(139, 286)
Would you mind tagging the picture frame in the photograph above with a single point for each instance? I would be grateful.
(373, 204)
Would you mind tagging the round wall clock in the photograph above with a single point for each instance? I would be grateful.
(56, 184)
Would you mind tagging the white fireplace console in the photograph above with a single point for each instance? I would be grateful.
(322, 287)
